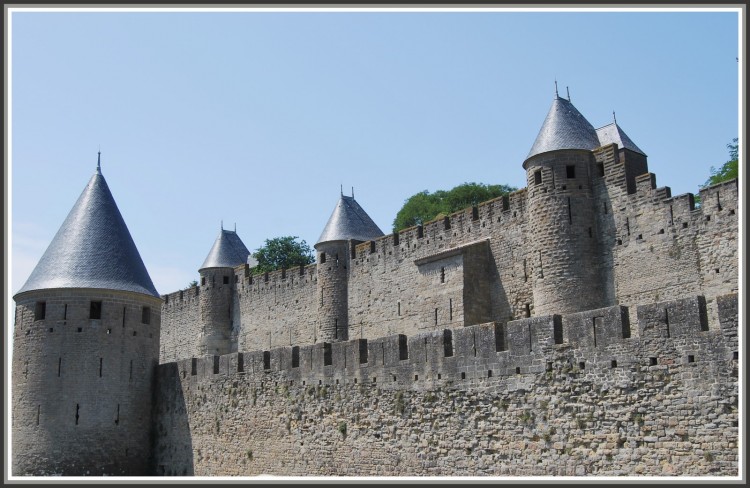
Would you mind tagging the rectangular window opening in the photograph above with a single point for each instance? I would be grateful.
(216, 364)
(518, 370)
(474, 213)
(203, 281)
(489, 373)
(327, 354)
(95, 310)
(613, 363)
(447, 343)
(266, 359)
(362, 351)
(193, 367)
(538, 177)
(146, 315)
(690, 358)
(653, 361)
(463, 376)
(420, 231)
(40, 310)
(241, 362)
(582, 365)
(446, 223)
(403, 350)
(570, 171)
(295, 357)
(373, 248)
(600, 169)
(506, 203)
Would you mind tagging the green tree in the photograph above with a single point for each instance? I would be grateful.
(728, 170)
(426, 206)
(282, 252)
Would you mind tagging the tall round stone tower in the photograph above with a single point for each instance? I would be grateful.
(561, 220)
(85, 349)
(217, 283)
(348, 225)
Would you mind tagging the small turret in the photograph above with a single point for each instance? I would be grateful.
(562, 224)
(86, 344)
(349, 224)
(217, 281)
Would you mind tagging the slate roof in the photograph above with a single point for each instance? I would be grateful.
(564, 128)
(92, 249)
(349, 221)
(228, 251)
(614, 133)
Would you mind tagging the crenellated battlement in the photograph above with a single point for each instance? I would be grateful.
(597, 338)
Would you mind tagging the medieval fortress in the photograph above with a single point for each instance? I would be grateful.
(584, 325)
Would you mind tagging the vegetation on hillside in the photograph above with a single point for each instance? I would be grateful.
(426, 206)
(282, 252)
(728, 170)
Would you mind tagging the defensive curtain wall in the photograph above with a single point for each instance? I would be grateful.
(639, 390)
(481, 265)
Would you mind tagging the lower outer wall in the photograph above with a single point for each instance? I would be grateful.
(672, 419)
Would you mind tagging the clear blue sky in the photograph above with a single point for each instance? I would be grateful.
(258, 118)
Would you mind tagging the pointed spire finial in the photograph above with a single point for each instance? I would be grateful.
(99, 161)
(342, 189)
(352, 192)
(222, 225)
(568, 88)
(556, 95)
(614, 117)
(235, 227)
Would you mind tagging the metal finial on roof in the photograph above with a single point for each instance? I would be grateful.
(352, 192)
(556, 95)
(568, 88)
(614, 117)
(235, 226)
(99, 162)
(222, 225)
(342, 189)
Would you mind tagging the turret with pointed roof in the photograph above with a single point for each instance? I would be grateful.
(564, 128)
(85, 347)
(348, 225)
(349, 221)
(561, 213)
(217, 281)
(92, 249)
(228, 251)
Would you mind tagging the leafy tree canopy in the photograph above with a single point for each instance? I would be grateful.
(282, 252)
(728, 170)
(426, 206)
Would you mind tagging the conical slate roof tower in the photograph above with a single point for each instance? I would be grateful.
(564, 128)
(92, 249)
(349, 221)
(228, 251)
(85, 348)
